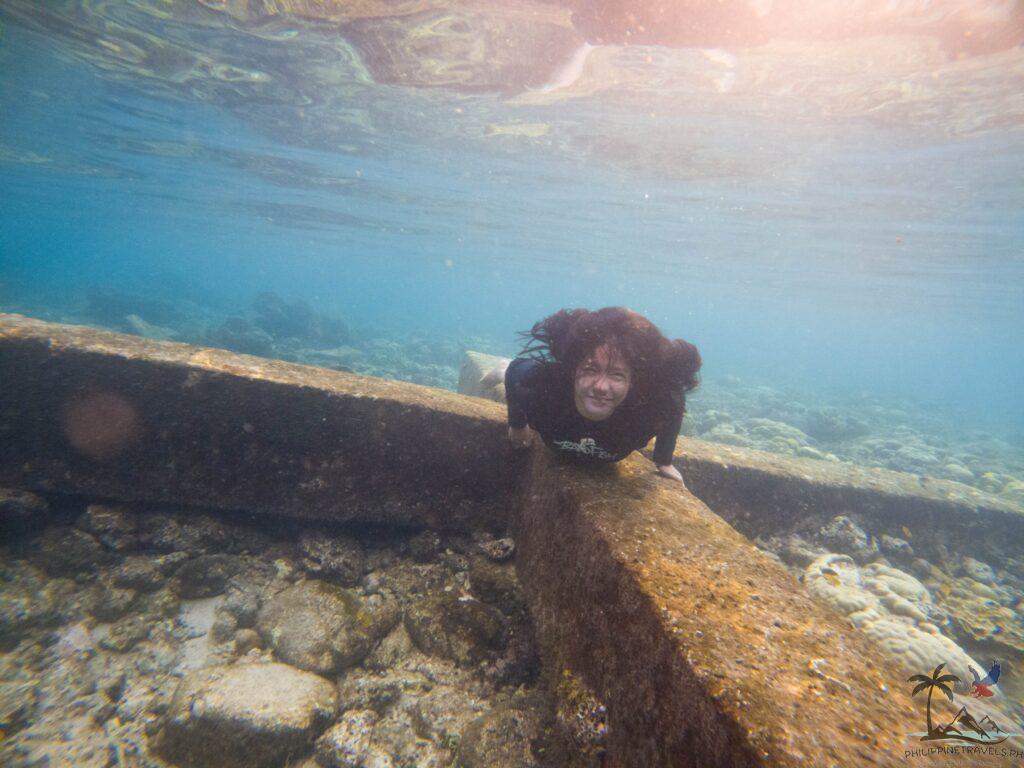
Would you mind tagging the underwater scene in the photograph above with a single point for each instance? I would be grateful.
(824, 198)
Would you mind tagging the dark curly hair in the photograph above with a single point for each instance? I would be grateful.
(664, 370)
(680, 362)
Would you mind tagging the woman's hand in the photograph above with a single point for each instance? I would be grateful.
(520, 438)
(672, 473)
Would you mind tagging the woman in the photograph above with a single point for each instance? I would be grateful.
(599, 385)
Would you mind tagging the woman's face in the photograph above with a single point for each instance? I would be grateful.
(602, 383)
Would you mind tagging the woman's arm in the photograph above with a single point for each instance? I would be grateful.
(665, 445)
(516, 398)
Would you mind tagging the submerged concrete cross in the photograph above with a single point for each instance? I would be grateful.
(704, 650)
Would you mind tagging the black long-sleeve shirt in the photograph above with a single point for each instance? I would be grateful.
(538, 394)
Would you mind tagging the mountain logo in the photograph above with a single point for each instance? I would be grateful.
(963, 727)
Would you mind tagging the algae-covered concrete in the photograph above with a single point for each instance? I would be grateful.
(109, 415)
(705, 652)
(763, 493)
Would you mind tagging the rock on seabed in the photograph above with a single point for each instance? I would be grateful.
(21, 510)
(339, 558)
(349, 743)
(245, 716)
(321, 627)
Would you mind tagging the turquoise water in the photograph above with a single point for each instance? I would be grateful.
(839, 215)
(834, 220)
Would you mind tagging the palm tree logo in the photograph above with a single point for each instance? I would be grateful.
(924, 682)
(963, 722)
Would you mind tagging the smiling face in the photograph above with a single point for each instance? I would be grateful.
(601, 384)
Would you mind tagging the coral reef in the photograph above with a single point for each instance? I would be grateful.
(240, 335)
(985, 616)
(953, 610)
(297, 320)
(112, 308)
(294, 331)
(892, 607)
(845, 535)
(858, 430)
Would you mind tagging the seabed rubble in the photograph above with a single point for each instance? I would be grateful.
(137, 636)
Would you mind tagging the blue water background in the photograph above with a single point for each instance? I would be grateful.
(889, 265)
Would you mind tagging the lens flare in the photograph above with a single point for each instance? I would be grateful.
(101, 425)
